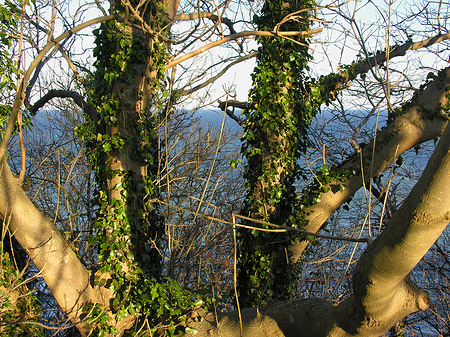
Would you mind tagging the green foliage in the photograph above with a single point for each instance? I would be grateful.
(280, 110)
(9, 21)
(122, 144)
(283, 103)
(320, 184)
(163, 307)
(18, 308)
(127, 224)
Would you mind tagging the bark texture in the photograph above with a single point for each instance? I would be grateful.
(421, 121)
(383, 294)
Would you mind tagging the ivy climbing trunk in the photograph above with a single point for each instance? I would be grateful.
(122, 141)
(275, 136)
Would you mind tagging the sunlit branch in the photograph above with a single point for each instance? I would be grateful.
(217, 76)
(412, 127)
(338, 81)
(234, 104)
(205, 15)
(237, 36)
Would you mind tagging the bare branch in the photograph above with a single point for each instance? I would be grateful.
(235, 104)
(20, 96)
(278, 228)
(237, 36)
(77, 98)
(214, 78)
(210, 16)
(340, 80)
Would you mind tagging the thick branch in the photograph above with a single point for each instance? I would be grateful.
(418, 223)
(310, 317)
(305, 318)
(59, 266)
(172, 8)
(210, 16)
(380, 283)
(411, 128)
(235, 104)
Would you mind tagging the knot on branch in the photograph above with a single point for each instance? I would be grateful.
(421, 296)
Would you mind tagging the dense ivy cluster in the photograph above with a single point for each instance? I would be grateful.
(323, 178)
(122, 143)
(125, 222)
(164, 307)
(9, 19)
(282, 104)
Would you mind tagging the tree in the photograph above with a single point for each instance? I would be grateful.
(275, 135)
(127, 100)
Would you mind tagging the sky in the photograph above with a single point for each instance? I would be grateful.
(328, 52)
(327, 55)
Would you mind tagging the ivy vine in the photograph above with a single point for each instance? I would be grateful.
(128, 89)
(283, 102)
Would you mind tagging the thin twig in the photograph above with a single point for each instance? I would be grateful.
(20, 94)
(235, 275)
(278, 228)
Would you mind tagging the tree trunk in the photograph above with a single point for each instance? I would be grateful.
(275, 132)
(124, 142)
